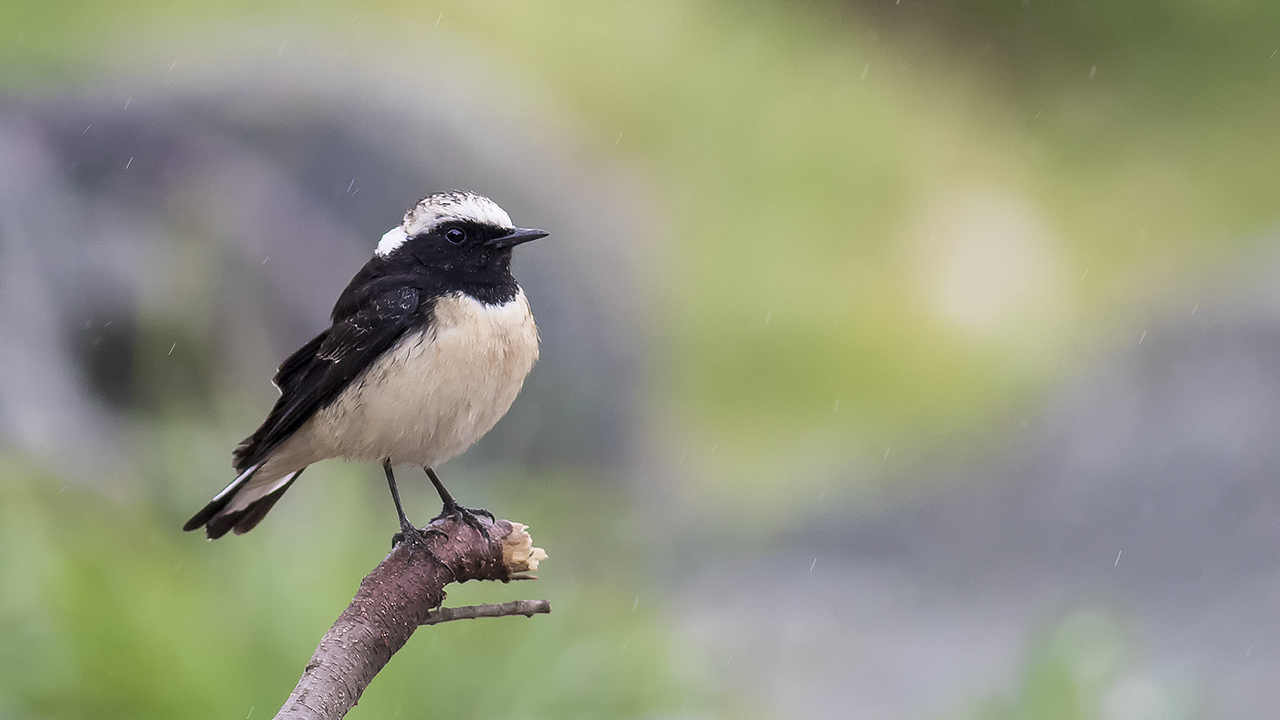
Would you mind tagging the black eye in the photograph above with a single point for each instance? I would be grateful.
(457, 236)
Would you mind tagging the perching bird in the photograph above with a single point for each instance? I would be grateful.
(430, 343)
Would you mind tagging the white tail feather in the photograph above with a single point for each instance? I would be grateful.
(241, 479)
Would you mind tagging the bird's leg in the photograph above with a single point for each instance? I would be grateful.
(456, 511)
(407, 530)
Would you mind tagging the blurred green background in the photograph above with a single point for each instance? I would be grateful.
(858, 241)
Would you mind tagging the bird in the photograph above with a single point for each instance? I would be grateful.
(427, 348)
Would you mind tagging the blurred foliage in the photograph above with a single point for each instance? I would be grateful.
(804, 157)
(108, 612)
(1082, 669)
(800, 154)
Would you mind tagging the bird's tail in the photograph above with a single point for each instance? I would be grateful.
(242, 504)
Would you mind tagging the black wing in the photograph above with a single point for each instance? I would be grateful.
(322, 368)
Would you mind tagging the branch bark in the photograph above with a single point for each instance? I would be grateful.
(527, 608)
(398, 596)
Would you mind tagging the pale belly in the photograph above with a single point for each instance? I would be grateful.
(433, 394)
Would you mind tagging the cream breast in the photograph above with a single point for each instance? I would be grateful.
(435, 392)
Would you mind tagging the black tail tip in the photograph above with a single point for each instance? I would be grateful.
(206, 514)
(217, 522)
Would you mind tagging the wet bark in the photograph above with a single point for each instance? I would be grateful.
(400, 595)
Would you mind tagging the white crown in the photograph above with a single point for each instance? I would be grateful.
(432, 210)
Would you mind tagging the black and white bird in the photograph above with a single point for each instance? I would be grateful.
(429, 345)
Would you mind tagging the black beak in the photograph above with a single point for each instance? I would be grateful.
(517, 236)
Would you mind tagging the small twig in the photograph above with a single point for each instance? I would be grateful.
(527, 608)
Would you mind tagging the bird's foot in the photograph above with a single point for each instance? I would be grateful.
(414, 536)
(469, 516)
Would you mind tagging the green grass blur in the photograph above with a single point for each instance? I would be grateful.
(107, 613)
(1084, 667)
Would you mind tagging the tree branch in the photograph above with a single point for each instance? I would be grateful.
(397, 597)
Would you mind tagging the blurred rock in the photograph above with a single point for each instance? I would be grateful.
(1149, 489)
(165, 252)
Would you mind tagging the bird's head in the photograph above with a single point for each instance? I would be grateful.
(456, 233)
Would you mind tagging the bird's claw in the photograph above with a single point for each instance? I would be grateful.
(416, 537)
(410, 533)
(416, 534)
(469, 516)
